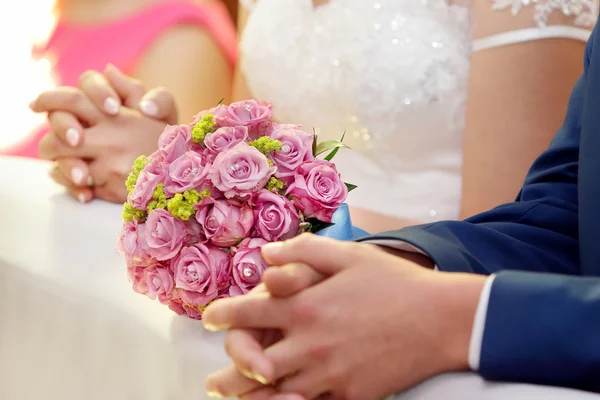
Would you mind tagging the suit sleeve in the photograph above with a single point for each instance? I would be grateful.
(537, 232)
(543, 317)
(544, 329)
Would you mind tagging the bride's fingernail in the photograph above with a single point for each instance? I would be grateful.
(149, 108)
(255, 376)
(72, 136)
(77, 175)
(259, 378)
(89, 181)
(111, 106)
(81, 197)
(215, 395)
(214, 328)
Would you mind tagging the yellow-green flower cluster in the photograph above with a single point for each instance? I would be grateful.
(202, 308)
(159, 198)
(130, 213)
(266, 145)
(274, 184)
(182, 205)
(138, 166)
(202, 128)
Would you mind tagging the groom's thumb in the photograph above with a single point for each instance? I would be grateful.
(325, 255)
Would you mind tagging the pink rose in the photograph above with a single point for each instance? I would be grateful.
(192, 312)
(276, 217)
(225, 138)
(160, 283)
(137, 276)
(225, 224)
(190, 171)
(164, 234)
(241, 171)
(176, 305)
(250, 113)
(318, 190)
(195, 232)
(132, 242)
(247, 266)
(217, 112)
(198, 272)
(296, 149)
(151, 175)
(174, 141)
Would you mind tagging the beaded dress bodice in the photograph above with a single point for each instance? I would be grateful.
(392, 74)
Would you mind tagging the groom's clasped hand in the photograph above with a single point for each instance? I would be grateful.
(344, 319)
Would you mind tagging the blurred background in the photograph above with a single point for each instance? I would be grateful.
(49, 43)
(24, 24)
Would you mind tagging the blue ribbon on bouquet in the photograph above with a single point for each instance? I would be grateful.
(342, 228)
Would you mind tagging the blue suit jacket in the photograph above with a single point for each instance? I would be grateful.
(543, 321)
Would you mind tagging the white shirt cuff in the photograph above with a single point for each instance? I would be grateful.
(482, 306)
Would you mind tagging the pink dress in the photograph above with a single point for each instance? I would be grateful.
(77, 48)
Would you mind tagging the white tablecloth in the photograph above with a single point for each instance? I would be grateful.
(72, 328)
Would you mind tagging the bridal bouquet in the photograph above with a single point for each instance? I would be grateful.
(200, 208)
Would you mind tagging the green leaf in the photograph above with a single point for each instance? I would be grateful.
(314, 145)
(350, 186)
(221, 101)
(328, 145)
(316, 225)
(334, 152)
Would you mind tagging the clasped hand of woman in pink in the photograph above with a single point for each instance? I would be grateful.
(358, 324)
(92, 156)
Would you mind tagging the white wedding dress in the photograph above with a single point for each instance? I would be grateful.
(392, 74)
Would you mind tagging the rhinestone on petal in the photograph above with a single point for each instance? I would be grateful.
(247, 272)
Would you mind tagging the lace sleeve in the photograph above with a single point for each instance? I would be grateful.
(248, 4)
(570, 19)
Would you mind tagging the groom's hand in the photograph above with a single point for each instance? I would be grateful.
(377, 326)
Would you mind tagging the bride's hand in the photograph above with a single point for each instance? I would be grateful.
(94, 139)
(338, 338)
(246, 346)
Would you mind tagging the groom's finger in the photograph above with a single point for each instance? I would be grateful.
(290, 279)
(325, 255)
(258, 310)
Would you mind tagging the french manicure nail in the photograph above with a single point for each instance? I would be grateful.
(89, 181)
(32, 104)
(77, 175)
(149, 108)
(81, 197)
(259, 378)
(214, 328)
(215, 395)
(254, 376)
(111, 106)
(72, 136)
